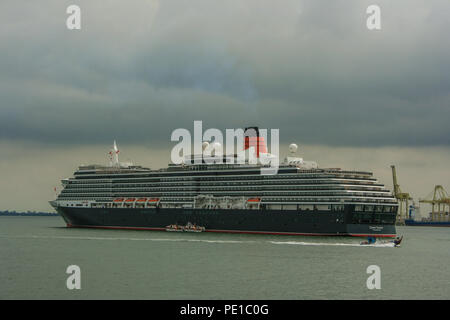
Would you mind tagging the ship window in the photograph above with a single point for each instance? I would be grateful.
(368, 208)
(358, 208)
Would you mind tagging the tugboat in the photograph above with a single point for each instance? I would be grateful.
(370, 240)
(373, 241)
(397, 241)
(174, 228)
(193, 228)
(189, 227)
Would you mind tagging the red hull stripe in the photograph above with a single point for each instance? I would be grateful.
(118, 228)
(242, 232)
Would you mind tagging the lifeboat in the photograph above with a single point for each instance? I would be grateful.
(141, 200)
(254, 200)
(130, 200)
(153, 200)
(118, 200)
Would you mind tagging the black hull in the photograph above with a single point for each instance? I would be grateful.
(283, 222)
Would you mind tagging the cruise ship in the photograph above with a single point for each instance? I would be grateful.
(300, 199)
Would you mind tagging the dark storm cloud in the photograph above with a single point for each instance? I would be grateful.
(138, 70)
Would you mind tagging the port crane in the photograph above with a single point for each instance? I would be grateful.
(440, 203)
(402, 197)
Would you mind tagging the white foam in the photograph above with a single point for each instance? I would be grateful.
(301, 243)
(126, 239)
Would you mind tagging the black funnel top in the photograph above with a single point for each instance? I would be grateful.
(251, 132)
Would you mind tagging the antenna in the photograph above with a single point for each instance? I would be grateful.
(114, 152)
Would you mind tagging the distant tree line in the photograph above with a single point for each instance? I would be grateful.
(27, 213)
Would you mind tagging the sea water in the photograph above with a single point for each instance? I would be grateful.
(35, 253)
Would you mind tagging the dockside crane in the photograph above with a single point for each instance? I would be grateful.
(402, 197)
(440, 204)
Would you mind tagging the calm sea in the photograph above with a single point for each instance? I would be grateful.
(36, 251)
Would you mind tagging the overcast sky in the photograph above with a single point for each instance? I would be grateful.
(139, 69)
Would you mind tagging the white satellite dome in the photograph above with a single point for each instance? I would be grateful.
(293, 148)
(216, 146)
(205, 145)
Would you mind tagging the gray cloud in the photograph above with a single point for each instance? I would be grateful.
(137, 70)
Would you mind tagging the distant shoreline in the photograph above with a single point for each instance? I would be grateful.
(28, 214)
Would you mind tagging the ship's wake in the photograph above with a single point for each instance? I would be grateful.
(124, 239)
(301, 243)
